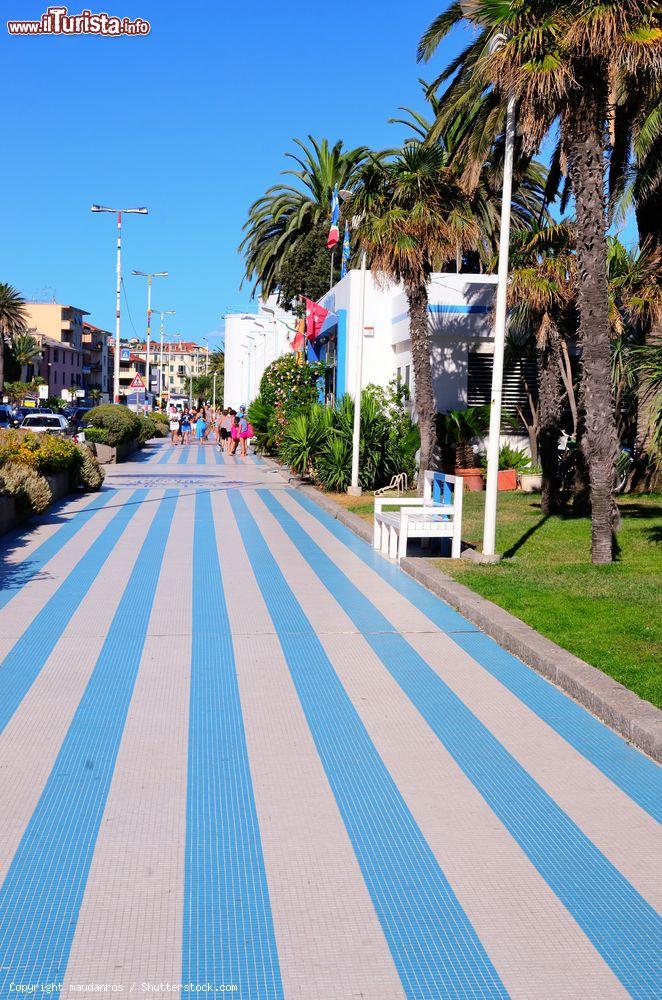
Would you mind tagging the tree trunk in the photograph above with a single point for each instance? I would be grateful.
(649, 223)
(2, 361)
(585, 142)
(549, 416)
(417, 298)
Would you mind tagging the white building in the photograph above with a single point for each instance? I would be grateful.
(460, 307)
(252, 342)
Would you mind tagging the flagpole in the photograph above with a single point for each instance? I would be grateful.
(333, 255)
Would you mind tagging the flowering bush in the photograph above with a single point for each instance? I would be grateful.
(287, 384)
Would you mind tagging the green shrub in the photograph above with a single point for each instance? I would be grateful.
(333, 466)
(160, 418)
(146, 429)
(305, 436)
(56, 454)
(510, 458)
(89, 474)
(28, 487)
(262, 416)
(96, 435)
(120, 422)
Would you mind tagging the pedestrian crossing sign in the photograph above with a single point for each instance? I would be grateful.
(137, 382)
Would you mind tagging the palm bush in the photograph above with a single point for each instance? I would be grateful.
(457, 429)
(306, 435)
(334, 464)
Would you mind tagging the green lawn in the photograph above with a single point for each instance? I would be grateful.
(610, 616)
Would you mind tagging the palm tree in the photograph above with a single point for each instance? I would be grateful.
(12, 320)
(482, 179)
(543, 296)
(287, 213)
(25, 349)
(413, 217)
(559, 59)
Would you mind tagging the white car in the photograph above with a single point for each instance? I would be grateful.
(45, 423)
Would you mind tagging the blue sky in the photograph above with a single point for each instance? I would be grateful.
(192, 121)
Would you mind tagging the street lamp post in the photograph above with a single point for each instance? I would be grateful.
(149, 276)
(491, 486)
(354, 489)
(118, 288)
(162, 313)
(248, 355)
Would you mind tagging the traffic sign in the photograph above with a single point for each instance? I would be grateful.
(138, 382)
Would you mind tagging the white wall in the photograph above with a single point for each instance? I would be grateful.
(252, 342)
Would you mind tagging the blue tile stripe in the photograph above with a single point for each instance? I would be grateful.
(24, 661)
(184, 453)
(168, 451)
(41, 896)
(622, 926)
(228, 928)
(14, 577)
(201, 458)
(434, 946)
(636, 775)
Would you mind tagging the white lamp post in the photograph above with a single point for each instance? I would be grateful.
(491, 488)
(149, 276)
(118, 288)
(162, 313)
(354, 489)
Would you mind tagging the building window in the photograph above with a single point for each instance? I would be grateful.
(408, 376)
(54, 378)
(55, 354)
(398, 374)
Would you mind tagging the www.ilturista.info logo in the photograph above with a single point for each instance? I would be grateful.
(58, 21)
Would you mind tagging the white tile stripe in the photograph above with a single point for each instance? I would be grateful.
(32, 739)
(513, 910)
(330, 943)
(621, 830)
(130, 923)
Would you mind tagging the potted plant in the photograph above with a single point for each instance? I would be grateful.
(530, 479)
(456, 431)
(511, 462)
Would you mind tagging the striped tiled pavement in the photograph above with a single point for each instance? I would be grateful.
(241, 752)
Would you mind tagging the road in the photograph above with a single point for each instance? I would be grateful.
(241, 750)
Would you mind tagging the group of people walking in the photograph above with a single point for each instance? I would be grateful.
(231, 428)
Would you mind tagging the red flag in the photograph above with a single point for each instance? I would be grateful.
(315, 316)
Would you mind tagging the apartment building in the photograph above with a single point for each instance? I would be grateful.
(96, 368)
(181, 359)
(58, 329)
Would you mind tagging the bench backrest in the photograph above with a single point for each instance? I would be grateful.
(440, 488)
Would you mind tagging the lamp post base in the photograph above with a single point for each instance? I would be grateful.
(354, 491)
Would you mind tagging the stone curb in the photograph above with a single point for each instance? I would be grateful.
(624, 711)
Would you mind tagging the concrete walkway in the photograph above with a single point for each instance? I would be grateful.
(240, 750)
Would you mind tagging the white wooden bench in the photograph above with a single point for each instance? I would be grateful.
(438, 514)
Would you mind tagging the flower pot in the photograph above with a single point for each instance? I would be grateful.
(531, 482)
(507, 479)
(474, 481)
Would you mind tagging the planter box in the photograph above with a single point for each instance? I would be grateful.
(60, 485)
(531, 482)
(507, 479)
(108, 455)
(474, 480)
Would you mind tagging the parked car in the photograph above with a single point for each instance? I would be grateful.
(6, 415)
(76, 415)
(45, 423)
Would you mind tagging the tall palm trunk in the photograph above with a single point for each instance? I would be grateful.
(2, 359)
(549, 417)
(649, 224)
(585, 140)
(417, 298)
